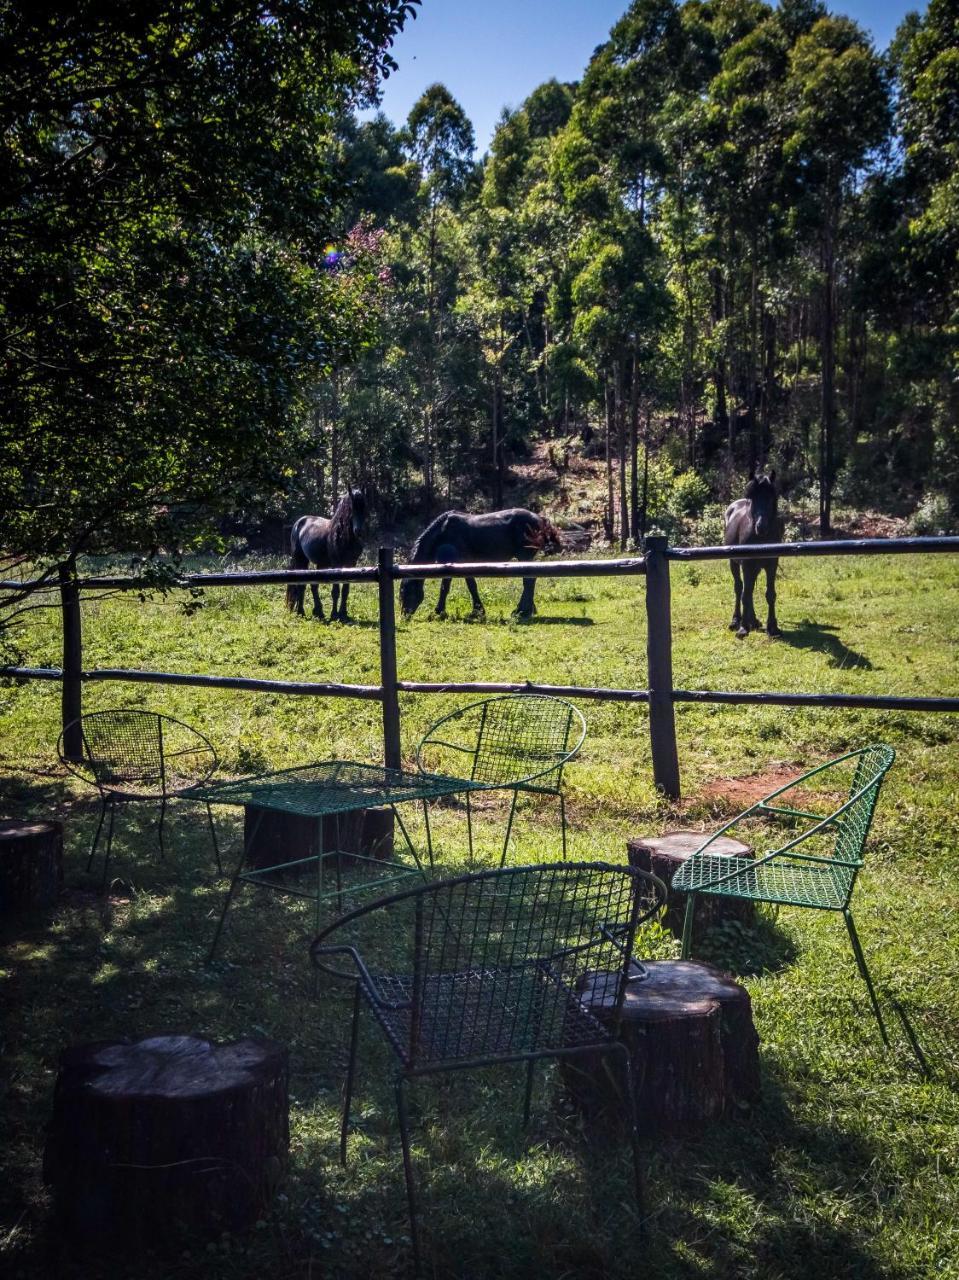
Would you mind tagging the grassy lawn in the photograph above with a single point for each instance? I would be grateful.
(848, 1168)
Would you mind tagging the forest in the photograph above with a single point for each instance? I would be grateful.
(732, 243)
(230, 287)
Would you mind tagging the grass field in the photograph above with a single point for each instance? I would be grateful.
(848, 1168)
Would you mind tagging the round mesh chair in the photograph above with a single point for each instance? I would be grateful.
(518, 742)
(819, 875)
(132, 755)
(488, 968)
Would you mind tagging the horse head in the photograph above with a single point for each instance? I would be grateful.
(545, 538)
(411, 595)
(357, 513)
(763, 497)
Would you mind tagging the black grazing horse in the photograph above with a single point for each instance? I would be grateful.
(754, 519)
(458, 538)
(327, 544)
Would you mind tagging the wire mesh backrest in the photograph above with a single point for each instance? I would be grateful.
(523, 736)
(490, 965)
(142, 753)
(853, 827)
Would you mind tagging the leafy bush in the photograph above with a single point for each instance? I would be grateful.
(689, 495)
(933, 516)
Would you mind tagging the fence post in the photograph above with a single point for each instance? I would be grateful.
(391, 700)
(659, 656)
(71, 705)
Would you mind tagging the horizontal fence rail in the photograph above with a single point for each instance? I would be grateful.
(653, 567)
(845, 547)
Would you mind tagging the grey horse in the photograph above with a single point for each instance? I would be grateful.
(754, 518)
(327, 544)
(457, 537)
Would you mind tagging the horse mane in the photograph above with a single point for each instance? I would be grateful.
(340, 538)
(427, 539)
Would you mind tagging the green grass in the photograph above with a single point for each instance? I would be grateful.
(848, 1168)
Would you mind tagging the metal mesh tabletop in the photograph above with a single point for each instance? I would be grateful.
(333, 786)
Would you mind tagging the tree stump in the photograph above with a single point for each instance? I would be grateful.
(164, 1138)
(689, 1029)
(271, 837)
(31, 865)
(663, 855)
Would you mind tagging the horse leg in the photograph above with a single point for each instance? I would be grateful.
(344, 593)
(445, 585)
(317, 602)
(474, 594)
(772, 626)
(738, 585)
(335, 592)
(527, 606)
(750, 622)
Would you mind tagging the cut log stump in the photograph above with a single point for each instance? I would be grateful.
(271, 837)
(663, 855)
(156, 1140)
(31, 865)
(689, 1030)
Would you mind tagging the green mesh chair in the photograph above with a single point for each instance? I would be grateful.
(518, 742)
(486, 969)
(822, 880)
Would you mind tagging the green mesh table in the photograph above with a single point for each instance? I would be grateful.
(321, 791)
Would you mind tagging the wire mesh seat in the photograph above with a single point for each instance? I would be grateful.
(134, 755)
(518, 742)
(822, 881)
(487, 968)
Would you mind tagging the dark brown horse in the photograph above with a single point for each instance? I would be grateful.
(457, 537)
(327, 544)
(754, 518)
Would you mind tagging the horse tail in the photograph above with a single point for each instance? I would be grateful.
(298, 560)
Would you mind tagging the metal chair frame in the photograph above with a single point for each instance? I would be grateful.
(507, 993)
(790, 878)
(128, 762)
(548, 746)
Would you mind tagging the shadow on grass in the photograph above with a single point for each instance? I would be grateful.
(819, 638)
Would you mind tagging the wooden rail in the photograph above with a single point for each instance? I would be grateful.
(653, 566)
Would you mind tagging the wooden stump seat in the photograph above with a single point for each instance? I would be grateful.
(690, 1032)
(31, 865)
(157, 1139)
(271, 837)
(662, 855)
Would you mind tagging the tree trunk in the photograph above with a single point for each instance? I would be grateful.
(618, 374)
(610, 508)
(828, 426)
(634, 454)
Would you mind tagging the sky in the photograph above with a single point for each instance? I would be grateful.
(493, 53)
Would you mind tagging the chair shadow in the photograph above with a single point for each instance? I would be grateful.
(818, 637)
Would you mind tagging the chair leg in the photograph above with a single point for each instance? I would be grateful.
(688, 925)
(408, 1171)
(160, 827)
(469, 827)
(528, 1098)
(864, 971)
(633, 1134)
(509, 828)
(562, 821)
(106, 859)
(350, 1075)
(226, 907)
(429, 834)
(216, 846)
(96, 838)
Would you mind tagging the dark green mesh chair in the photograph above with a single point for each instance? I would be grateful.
(519, 742)
(822, 876)
(486, 968)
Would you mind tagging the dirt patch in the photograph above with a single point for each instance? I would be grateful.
(739, 793)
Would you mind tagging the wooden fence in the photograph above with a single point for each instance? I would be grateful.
(660, 694)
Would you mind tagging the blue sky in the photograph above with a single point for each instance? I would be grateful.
(492, 53)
